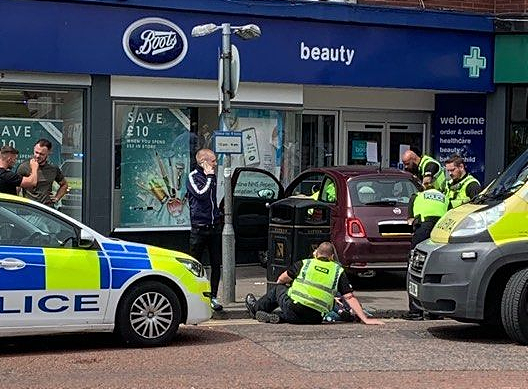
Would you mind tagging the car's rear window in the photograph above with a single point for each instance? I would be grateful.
(380, 191)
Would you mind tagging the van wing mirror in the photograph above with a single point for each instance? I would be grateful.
(86, 240)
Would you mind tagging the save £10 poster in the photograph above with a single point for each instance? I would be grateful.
(154, 167)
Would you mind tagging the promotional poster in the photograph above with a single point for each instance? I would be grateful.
(262, 133)
(154, 167)
(22, 134)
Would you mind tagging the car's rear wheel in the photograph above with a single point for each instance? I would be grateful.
(514, 307)
(148, 315)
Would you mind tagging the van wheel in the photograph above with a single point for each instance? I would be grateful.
(514, 307)
(148, 315)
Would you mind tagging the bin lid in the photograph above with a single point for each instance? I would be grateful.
(297, 210)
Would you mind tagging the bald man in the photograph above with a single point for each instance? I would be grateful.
(425, 168)
(206, 231)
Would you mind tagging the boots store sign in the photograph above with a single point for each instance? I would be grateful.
(155, 43)
(134, 41)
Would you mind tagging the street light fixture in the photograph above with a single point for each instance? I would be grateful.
(248, 31)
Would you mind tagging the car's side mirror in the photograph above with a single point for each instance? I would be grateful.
(86, 240)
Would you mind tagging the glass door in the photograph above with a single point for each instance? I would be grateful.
(381, 144)
(318, 139)
(403, 136)
(364, 143)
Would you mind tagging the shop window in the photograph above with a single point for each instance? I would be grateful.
(518, 128)
(57, 115)
(155, 147)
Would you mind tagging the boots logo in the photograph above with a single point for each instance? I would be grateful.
(154, 43)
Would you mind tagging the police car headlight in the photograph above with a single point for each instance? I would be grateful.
(478, 222)
(193, 266)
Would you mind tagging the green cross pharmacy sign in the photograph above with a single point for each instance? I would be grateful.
(474, 62)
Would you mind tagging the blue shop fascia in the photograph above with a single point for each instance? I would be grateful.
(128, 94)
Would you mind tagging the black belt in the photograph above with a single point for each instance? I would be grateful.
(204, 226)
(431, 219)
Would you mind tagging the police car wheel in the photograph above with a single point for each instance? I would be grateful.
(514, 307)
(148, 315)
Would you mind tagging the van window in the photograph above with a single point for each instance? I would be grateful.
(513, 178)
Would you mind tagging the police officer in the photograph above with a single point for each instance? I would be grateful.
(314, 283)
(426, 168)
(329, 192)
(463, 186)
(425, 209)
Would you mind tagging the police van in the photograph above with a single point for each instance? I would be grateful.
(474, 268)
(57, 276)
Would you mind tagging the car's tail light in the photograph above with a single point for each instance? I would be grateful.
(354, 228)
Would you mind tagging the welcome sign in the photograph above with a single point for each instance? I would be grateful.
(459, 126)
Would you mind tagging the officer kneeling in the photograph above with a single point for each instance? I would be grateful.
(314, 283)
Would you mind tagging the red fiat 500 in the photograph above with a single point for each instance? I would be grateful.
(368, 208)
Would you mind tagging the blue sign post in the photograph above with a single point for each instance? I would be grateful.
(460, 128)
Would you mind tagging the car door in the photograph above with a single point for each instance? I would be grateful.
(307, 183)
(45, 280)
(322, 186)
(254, 190)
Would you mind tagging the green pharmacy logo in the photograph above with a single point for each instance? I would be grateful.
(474, 62)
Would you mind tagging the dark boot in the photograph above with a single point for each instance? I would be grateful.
(251, 302)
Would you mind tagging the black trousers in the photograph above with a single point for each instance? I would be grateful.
(277, 297)
(422, 232)
(209, 238)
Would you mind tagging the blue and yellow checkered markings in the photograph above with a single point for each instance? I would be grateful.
(128, 248)
(121, 276)
(104, 270)
(31, 277)
(115, 267)
(125, 262)
(113, 247)
(136, 249)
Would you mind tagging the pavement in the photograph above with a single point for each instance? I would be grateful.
(388, 301)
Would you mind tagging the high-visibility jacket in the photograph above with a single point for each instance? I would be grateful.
(456, 193)
(329, 194)
(430, 203)
(316, 284)
(439, 179)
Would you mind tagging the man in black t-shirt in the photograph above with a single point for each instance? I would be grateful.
(10, 180)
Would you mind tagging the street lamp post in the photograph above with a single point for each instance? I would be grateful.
(248, 31)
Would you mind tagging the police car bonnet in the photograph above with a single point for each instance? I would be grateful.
(155, 43)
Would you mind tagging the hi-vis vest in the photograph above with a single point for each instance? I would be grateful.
(316, 285)
(457, 193)
(430, 203)
(439, 179)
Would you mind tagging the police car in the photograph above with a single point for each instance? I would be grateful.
(57, 276)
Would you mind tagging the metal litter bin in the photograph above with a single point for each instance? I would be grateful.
(297, 226)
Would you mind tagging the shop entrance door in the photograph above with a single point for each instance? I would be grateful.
(317, 139)
(409, 134)
(381, 143)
